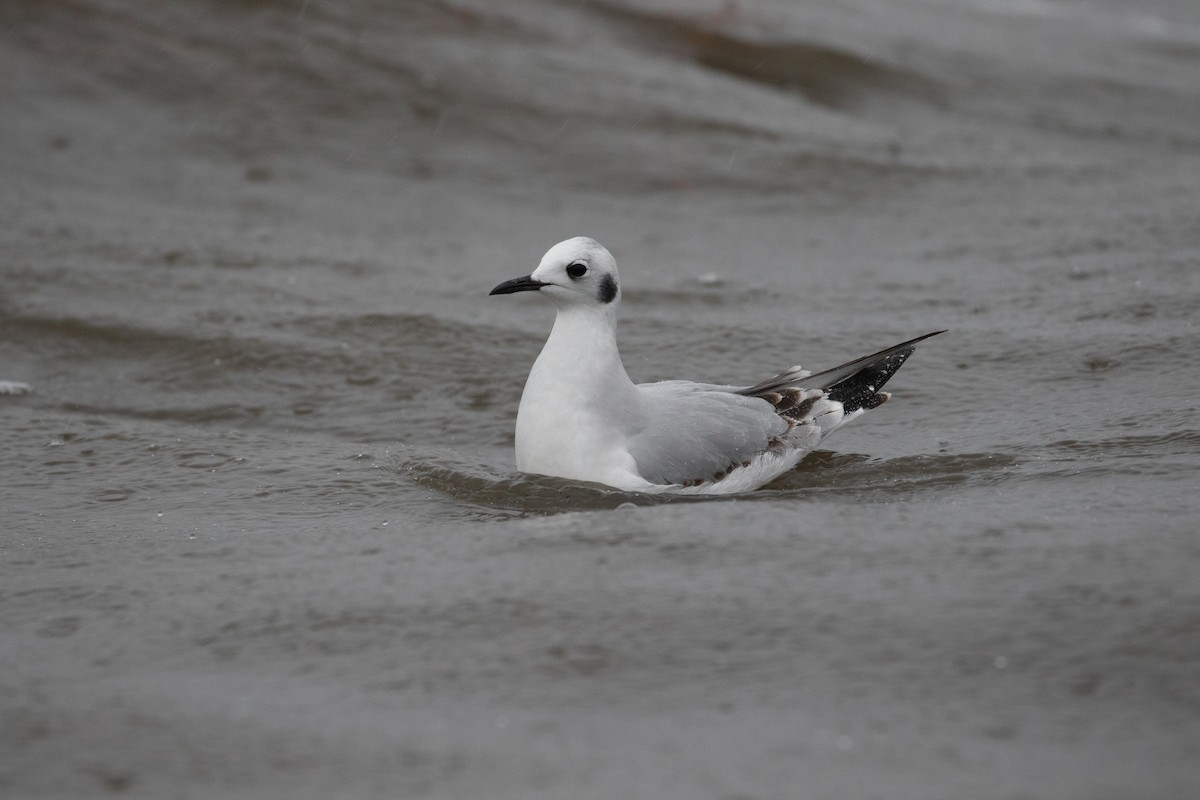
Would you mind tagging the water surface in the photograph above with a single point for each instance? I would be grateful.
(262, 534)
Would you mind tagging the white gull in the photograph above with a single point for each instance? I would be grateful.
(582, 418)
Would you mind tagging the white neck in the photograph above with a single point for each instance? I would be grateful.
(582, 355)
(580, 361)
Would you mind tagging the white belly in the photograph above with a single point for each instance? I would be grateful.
(570, 444)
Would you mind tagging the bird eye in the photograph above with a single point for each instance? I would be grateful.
(576, 270)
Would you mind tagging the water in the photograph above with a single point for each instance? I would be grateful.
(262, 535)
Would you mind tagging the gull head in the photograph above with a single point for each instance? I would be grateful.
(577, 272)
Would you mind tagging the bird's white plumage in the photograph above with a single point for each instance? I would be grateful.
(581, 417)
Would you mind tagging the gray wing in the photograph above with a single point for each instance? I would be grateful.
(695, 432)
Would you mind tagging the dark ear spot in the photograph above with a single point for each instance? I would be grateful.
(608, 289)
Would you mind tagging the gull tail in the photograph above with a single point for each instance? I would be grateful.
(855, 384)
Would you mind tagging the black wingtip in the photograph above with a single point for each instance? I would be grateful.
(856, 384)
(861, 390)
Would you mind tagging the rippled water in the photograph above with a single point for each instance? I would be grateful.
(264, 472)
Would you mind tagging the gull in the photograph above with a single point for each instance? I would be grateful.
(582, 418)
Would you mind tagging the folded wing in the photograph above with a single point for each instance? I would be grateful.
(696, 432)
(692, 433)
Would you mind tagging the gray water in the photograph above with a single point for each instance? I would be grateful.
(262, 535)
